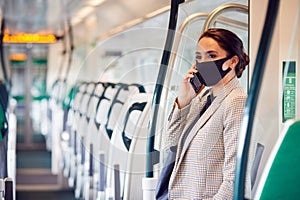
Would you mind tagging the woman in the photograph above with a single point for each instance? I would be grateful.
(207, 134)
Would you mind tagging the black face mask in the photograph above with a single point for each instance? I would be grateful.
(211, 72)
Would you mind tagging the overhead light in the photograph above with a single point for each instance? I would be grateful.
(29, 38)
(85, 11)
(75, 20)
(95, 2)
(18, 57)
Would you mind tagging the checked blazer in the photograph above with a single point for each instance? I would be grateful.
(205, 163)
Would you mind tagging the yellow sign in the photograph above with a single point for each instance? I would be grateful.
(18, 57)
(29, 38)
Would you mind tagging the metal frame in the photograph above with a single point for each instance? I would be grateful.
(221, 9)
(209, 21)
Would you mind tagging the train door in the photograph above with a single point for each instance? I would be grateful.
(28, 66)
(278, 100)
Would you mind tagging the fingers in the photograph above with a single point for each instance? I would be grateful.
(190, 73)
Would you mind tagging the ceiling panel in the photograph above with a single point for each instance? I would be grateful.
(39, 15)
(33, 16)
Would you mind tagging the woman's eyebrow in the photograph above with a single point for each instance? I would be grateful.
(207, 52)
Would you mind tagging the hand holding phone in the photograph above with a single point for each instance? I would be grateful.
(195, 82)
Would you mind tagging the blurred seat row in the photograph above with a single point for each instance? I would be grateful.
(7, 145)
(98, 135)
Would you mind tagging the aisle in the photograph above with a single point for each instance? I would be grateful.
(34, 178)
(45, 195)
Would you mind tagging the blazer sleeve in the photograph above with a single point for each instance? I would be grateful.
(232, 123)
(175, 126)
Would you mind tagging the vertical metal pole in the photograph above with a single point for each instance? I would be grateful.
(151, 157)
(70, 51)
(2, 56)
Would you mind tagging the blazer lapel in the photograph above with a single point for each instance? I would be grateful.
(194, 113)
(202, 121)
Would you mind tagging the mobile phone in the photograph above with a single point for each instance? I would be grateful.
(195, 82)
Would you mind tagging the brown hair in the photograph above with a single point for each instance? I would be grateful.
(232, 44)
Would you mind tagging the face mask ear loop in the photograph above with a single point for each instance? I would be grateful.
(220, 63)
(230, 57)
(228, 68)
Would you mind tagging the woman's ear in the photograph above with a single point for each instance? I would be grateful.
(231, 63)
(234, 61)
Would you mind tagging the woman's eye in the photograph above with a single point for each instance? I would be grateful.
(198, 57)
(211, 56)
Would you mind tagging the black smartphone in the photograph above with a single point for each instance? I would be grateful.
(195, 82)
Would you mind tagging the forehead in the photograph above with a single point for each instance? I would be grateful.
(208, 44)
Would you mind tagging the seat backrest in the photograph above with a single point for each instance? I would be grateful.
(86, 98)
(124, 138)
(257, 158)
(58, 91)
(136, 163)
(86, 121)
(83, 118)
(3, 95)
(281, 176)
(3, 131)
(78, 97)
(54, 93)
(92, 105)
(104, 104)
(120, 98)
(69, 99)
(3, 123)
(3, 108)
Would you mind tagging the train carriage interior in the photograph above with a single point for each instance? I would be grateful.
(87, 86)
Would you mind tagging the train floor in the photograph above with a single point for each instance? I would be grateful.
(34, 180)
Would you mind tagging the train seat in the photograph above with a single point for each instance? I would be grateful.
(127, 148)
(82, 122)
(65, 139)
(3, 130)
(76, 108)
(106, 129)
(98, 140)
(256, 163)
(136, 163)
(92, 137)
(71, 129)
(7, 189)
(57, 95)
(3, 142)
(109, 122)
(281, 171)
(8, 124)
(87, 102)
